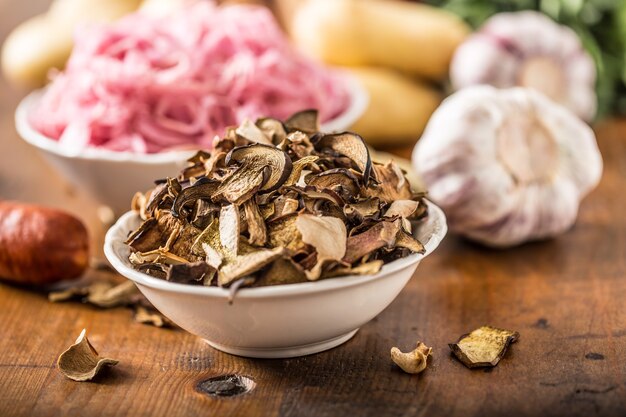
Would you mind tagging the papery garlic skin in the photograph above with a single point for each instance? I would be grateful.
(507, 165)
(528, 49)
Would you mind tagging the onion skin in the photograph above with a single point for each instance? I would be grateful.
(40, 245)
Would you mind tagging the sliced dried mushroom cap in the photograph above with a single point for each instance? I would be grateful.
(484, 346)
(297, 168)
(256, 156)
(252, 133)
(241, 185)
(273, 129)
(405, 209)
(203, 213)
(151, 317)
(81, 362)
(157, 195)
(391, 184)
(351, 146)
(190, 273)
(204, 188)
(146, 237)
(381, 235)
(412, 362)
(257, 230)
(360, 210)
(327, 235)
(282, 271)
(405, 240)
(114, 296)
(246, 265)
(229, 229)
(284, 233)
(306, 121)
(340, 180)
(367, 268)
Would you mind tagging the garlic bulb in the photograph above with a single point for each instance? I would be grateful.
(528, 49)
(507, 166)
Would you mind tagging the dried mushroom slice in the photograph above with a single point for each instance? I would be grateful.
(484, 346)
(351, 146)
(367, 208)
(117, 295)
(241, 185)
(283, 233)
(229, 229)
(367, 268)
(190, 273)
(381, 235)
(298, 167)
(255, 156)
(340, 180)
(81, 362)
(204, 188)
(256, 224)
(282, 271)
(273, 129)
(412, 362)
(405, 240)
(151, 317)
(247, 264)
(327, 235)
(252, 133)
(391, 184)
(306, 121)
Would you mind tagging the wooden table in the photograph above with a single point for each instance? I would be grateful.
(565, 296)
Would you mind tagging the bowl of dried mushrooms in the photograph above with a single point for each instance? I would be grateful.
(281, 242)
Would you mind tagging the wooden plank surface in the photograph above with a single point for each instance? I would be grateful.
(566, 297)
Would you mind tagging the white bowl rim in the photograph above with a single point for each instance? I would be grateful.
(435, 215)
(359, 101)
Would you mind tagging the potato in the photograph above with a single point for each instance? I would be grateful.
(399, 107)
(31, 50)
(45, 41)
(40, 245)
(411, 37)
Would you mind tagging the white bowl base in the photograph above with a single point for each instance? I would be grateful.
(287, 352)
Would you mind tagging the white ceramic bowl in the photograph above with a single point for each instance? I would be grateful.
(112, 178)
(279, 321)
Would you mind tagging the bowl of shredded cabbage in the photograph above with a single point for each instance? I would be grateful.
(139, 96)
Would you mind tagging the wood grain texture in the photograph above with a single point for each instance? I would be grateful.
(565, 297)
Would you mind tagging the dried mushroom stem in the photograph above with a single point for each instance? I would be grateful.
(412, 362)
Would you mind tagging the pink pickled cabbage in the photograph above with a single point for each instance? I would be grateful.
(146, 84)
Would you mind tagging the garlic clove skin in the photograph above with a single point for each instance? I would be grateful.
(507, 165)
(529, 49)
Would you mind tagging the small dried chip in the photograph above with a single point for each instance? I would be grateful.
(151, 317)
(81, 362)
(484, 346)
(114, 296)
(412, 362)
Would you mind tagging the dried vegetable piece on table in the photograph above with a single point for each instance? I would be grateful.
(81, 362)
(484, 346)
(277, 203)
(412, 362)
